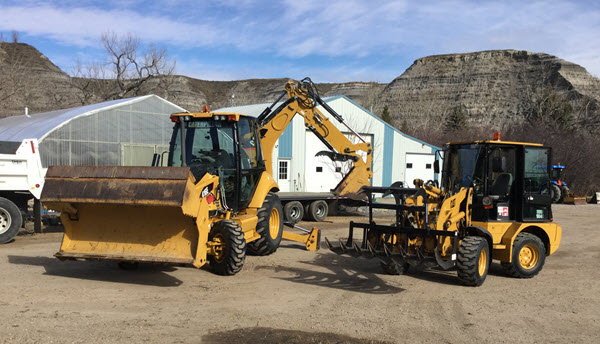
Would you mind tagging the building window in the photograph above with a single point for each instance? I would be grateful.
(283, 169)
(319, 169)
(428, 166)
(409, 165)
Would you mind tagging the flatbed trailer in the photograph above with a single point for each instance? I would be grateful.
(313, 206)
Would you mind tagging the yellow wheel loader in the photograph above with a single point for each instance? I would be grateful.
(494, 203)
(215, 201)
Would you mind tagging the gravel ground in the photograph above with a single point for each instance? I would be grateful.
(295, 296)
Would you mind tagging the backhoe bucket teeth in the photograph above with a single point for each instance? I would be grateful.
(125, 213)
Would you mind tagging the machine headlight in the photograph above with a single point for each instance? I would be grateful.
(486, 201)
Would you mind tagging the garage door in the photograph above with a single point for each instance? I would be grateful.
(418, 166)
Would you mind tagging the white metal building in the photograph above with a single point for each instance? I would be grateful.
(124, 132)
(396, 156)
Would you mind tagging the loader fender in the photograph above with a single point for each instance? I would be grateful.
(265, 185)
(481, 232)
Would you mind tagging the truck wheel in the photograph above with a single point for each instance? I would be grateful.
(528, 256)
(229, 247)
(293, 211)
(555, 193)
(269, 227)
(473, 261)
(317, 211)
(11, 220)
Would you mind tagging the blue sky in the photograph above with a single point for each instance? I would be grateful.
(330, 41)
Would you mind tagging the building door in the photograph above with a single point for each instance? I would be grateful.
(418, 166)
(283, 175)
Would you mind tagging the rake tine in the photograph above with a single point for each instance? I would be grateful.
(329, 246)
(356, 248)
(343, 247)
(371, 250)
(387, 251)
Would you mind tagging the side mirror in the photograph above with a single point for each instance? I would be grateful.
(499, 164)
(436, 166)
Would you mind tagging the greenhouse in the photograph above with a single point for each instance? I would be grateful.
(125, 132)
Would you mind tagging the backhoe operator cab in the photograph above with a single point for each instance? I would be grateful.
(210, 146)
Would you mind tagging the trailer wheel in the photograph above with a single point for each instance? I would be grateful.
(229, 248)
(11, 220)
(555, 192)
(293, 212)
(317, 210)
(473, 261)
(528, 256)
(269, 227)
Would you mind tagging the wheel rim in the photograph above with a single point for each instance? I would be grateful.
(274, 223)
(528, 256)
(5, 220)
(295, 213)
(482, 262)
(219, 247)
(320, 211)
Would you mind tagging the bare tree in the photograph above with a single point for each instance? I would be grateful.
(15, 36)
(12, 73)
(131, 69)
(92, 82)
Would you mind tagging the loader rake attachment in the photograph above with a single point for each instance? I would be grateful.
(395, 245)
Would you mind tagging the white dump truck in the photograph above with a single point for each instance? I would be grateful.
(21, 179)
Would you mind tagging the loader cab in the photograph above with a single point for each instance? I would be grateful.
(226, 145)
(510, 181)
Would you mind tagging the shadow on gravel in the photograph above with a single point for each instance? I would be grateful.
(266, 335)
(346, 273)
(146, 274)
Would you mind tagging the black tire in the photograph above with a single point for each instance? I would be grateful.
(564, 192)
(555, 193)
(528, 256)
(293, 212)
(232, 251)
(473, 261)
(394, 269)
(317, 210)
(11, 220)
(269, 227)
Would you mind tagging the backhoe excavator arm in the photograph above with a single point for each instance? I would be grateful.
(303, 100)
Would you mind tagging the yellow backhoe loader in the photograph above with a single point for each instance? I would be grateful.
(494, 203)
(216, 199)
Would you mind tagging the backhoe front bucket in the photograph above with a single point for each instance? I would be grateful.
(125, 213)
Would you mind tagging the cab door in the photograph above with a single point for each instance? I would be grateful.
(252, 164)
(501, 175)
(537, 197)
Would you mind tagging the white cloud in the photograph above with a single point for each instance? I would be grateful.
(337, 29)
(83, 25)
